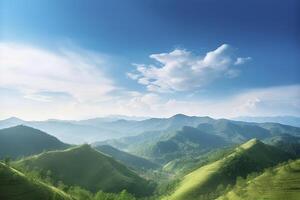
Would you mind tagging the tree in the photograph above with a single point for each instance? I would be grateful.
(124, 195)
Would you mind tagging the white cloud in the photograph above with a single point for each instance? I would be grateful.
(32, 70)
(240, 61)
(255, 102)
(180, 70)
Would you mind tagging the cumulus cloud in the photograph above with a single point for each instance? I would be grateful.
(40, 74)
(180, 70)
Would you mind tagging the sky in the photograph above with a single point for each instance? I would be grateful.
(71, 59)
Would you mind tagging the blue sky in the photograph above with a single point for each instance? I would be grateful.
(148, 57)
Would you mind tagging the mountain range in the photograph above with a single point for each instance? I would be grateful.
(176, 158)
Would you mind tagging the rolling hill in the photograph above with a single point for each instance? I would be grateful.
(187, 142)
(21, 141)
(16, 186)
(279, 183)
(89, 169)
(132, 161)
(252, 156)
(286, 142)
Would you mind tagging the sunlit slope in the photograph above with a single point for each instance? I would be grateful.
(249, 157)
(22, 140)
(281, 183)
(88, 168)
(16, 186)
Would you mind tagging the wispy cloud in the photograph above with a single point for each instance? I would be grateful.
(180, 70)
(33, 71)
(256, 102)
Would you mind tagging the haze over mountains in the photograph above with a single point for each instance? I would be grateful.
(99, 129)
(177, 158)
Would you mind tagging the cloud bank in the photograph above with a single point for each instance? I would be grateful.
(43, 75)
(180, 70)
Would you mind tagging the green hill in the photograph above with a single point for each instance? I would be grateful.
(187, 142)
(286, 142)
(275, 184)
(16, 186)
(89, 169)
(233, 131)
(132, 161)
(22, 140)
(252, 156)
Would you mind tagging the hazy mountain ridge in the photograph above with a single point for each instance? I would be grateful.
(100, 129)
(288, 120)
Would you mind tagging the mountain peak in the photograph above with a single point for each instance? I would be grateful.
(179, 116)
(250, 143)
(14, 120)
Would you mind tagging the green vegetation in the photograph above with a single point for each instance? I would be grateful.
(286, 142)
(22, 141)
(188, 141)
(85, 167)
(281, 182)
(132, 161)
(16, 186)
(205, 182)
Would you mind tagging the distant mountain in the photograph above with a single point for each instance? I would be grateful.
(286, 142)
(21, 141)
(100, 129)
(233, 131)
(279, 183)
(191, 142)
(89, 169)
(9, 122)
(187, 142)
(132, 161)
(288, 120)
(252, 156)
(16, 186)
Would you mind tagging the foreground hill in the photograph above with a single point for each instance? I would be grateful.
(275, 184)
(16, 186)
(21, 141)
(127, 159)
(252, 156)
(89, 169)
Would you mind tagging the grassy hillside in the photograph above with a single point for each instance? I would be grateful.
(127, 159)
(250, 157)
(274, 184)
(21, 141)
(87, 168)
(16, 186)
